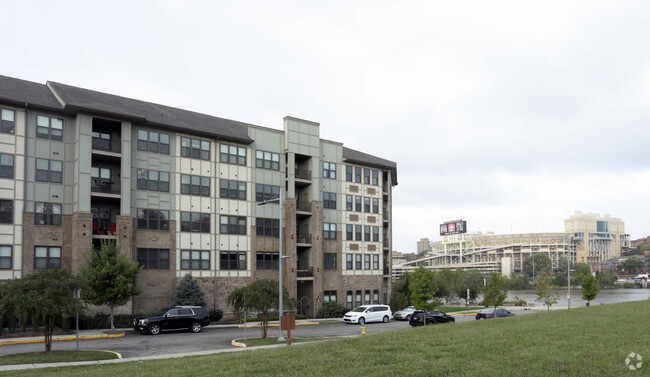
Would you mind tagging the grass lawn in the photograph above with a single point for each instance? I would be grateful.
(586, 341)
(55, 357)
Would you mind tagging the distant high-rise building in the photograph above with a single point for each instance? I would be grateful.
(596, 238)
(424, 245)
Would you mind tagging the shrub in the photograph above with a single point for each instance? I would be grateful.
(215, 315)
(331, 309)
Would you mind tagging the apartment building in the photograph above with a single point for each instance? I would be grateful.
(180, 191)
(597, 238)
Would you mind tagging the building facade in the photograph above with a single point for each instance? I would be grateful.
(180, 190)
(597, 238)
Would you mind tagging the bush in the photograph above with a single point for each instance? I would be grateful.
(331, 309)
(215, 315)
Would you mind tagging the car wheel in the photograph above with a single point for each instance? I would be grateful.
(153, 329)
(408, 317)
(196, 327)
(362, 321)
(386, 319)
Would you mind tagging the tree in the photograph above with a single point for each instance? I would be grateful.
(581, 270)
(109, 277)
(261, 296)
(518, 282)
(423, 290)
(606, 278)
(188, 292)
(537, 263)
(560, 280)
(400, 297)
(449, 283)
(48, 294)
(546, 292)
(590, 288)
(632, 265)
(496, 290)
(472, 280)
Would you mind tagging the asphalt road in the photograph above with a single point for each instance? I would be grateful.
(211, 338)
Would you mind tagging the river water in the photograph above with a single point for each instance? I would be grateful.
(605, 296)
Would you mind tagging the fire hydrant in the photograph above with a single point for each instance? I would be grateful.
(363, 330)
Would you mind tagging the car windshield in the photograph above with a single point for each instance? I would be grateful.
(409, 309)
(487, 311)
(360, 309)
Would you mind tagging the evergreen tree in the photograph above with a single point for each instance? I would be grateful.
(188, 292)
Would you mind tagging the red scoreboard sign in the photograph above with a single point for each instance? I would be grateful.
(453, 227)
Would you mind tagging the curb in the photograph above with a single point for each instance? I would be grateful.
(237, 344)
(60, 338)
(276, 325)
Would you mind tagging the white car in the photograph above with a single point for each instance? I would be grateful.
(369, 313)
(405, 314)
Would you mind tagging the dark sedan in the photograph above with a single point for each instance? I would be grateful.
(433, 317)
(489, 313)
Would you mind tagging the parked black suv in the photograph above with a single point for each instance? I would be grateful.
(433, 317)
(181, 317)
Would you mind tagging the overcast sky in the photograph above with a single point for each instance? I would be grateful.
(511, 115)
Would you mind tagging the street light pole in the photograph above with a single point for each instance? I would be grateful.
(280, 200)
(568, 271)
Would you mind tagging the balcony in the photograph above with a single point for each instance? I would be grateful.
(104, 186)
(303, 208)
(304, 239)
(305, 273)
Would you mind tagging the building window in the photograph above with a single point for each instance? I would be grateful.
(232, 189)
(47, 214)
(375, 205)
(5, 257)
(349, 232)
(357, 233)
(195, 222)
(348, 173)
(366, 176)
(375, 234)
(267, 160)
(267, 227)
(349, 199)
(153, 142)
(357, 261)
(375, 262)
(358, 294)
(233, 260)
(6, 165)
(357, 174)
(6, 211)
(233, 225)
(375, 178)
(195, 148)
(266, 192)
(329, 261)
(366, 297)
(7, 121)
(348, 262)
(153, 180)
(49, 170)
(153, 259)
(329, 231)
(366, 232)
(267, 260)
(366, 205)
(47, 257)
(195, 185)
(348, 299)
(357, 203)
(195, 260)
(329, 170)
(153, 219)
(232, 154)
(329, 200)
(366, 262)
(375, 296)
(49, 128)
(329, 296)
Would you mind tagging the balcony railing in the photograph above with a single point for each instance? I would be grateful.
(103, 186)
(309, 272)
(303, 174)
(303, 238)
(303, 206)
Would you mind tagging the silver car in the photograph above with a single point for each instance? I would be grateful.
(405, 314)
